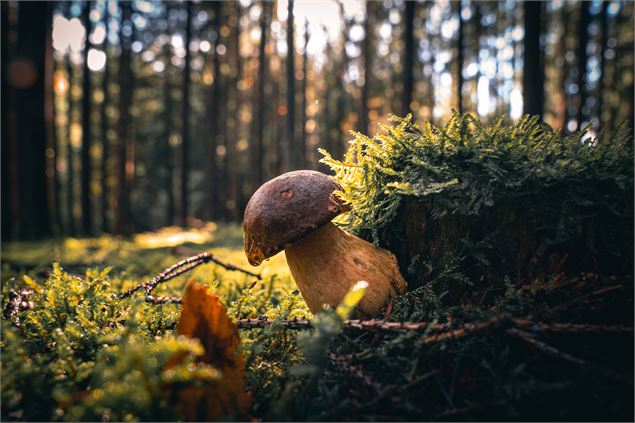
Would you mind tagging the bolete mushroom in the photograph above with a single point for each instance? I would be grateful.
(293, 212)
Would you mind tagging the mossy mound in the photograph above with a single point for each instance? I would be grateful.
(510, 222)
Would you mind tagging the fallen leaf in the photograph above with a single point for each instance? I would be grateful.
(204, 317)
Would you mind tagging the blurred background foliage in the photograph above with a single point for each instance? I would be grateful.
(123, 116)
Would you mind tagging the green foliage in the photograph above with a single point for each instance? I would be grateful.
(511, 218)
(484, 221)
(488, 199)
(81, 353)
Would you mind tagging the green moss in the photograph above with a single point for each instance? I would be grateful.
(81, 353)
(508, 219)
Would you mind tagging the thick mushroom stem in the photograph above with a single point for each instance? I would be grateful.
(327, 262)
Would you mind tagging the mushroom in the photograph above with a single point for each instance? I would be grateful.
(293, 212)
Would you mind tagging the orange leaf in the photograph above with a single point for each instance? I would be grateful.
(205, 318)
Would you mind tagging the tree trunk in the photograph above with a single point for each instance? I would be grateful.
(327, 140)
(86, 131)
(342, 102)
(126, 87)
(105, 144)
(235, 187)
(583, 41)
(167, 133)
(71, 224)
(366, 54)
(185, 114)
(28, 78)
(534, 68)
(214, 111)
(305, 70)
(258, 142)
(409, 57)
(53, 185)
(566, 109)
(603, 39)
(10, 211)
(289, 150)
(460, 60)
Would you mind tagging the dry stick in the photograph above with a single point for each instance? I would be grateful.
(585, 297)
(381, 326)
(455, 331)
(553, 351)
(570, 327)
(178, 269)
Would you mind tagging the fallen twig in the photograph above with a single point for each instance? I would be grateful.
(177, 269)
(553, 351)
(447, 330)
(571, 328)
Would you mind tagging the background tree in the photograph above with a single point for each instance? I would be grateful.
(408, 62)
(186, 115)
(86, 163)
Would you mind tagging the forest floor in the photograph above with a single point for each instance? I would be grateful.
(131, 261)
(142, 256)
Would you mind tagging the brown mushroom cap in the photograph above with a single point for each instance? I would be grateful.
(286, 209)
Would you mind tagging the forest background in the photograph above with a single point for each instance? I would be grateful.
(120, 117)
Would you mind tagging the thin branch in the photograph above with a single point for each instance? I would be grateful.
(553, 351)
(446, 330)
(180, 268)
(571, 328)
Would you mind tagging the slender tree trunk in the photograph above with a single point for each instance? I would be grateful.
(86, 131)
(185, 142)
(105, 144)
(534, 69)
(10, 212)
(167, 133)
(428, 86)
(214, 112)
(603, 39)
(274, 163)
(409, 57)
(583, 40)
(258, 144)
(366, 53)
(305, 76)
(126, 87)
(33, 18)
(289, 150)
(566, 110)
(624, 49)
(52, 179)
(235, 187)
(460, 60)
(71, 225)
(342, 102)
(327, 141)
(477, 46)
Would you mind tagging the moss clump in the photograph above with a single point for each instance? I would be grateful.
(488, 221)
(80, 353)
(509, 200)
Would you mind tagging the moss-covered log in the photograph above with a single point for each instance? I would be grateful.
(514, 219)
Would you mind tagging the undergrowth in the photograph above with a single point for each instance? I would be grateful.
(82, 353)
(511, 219)
(491, 227)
